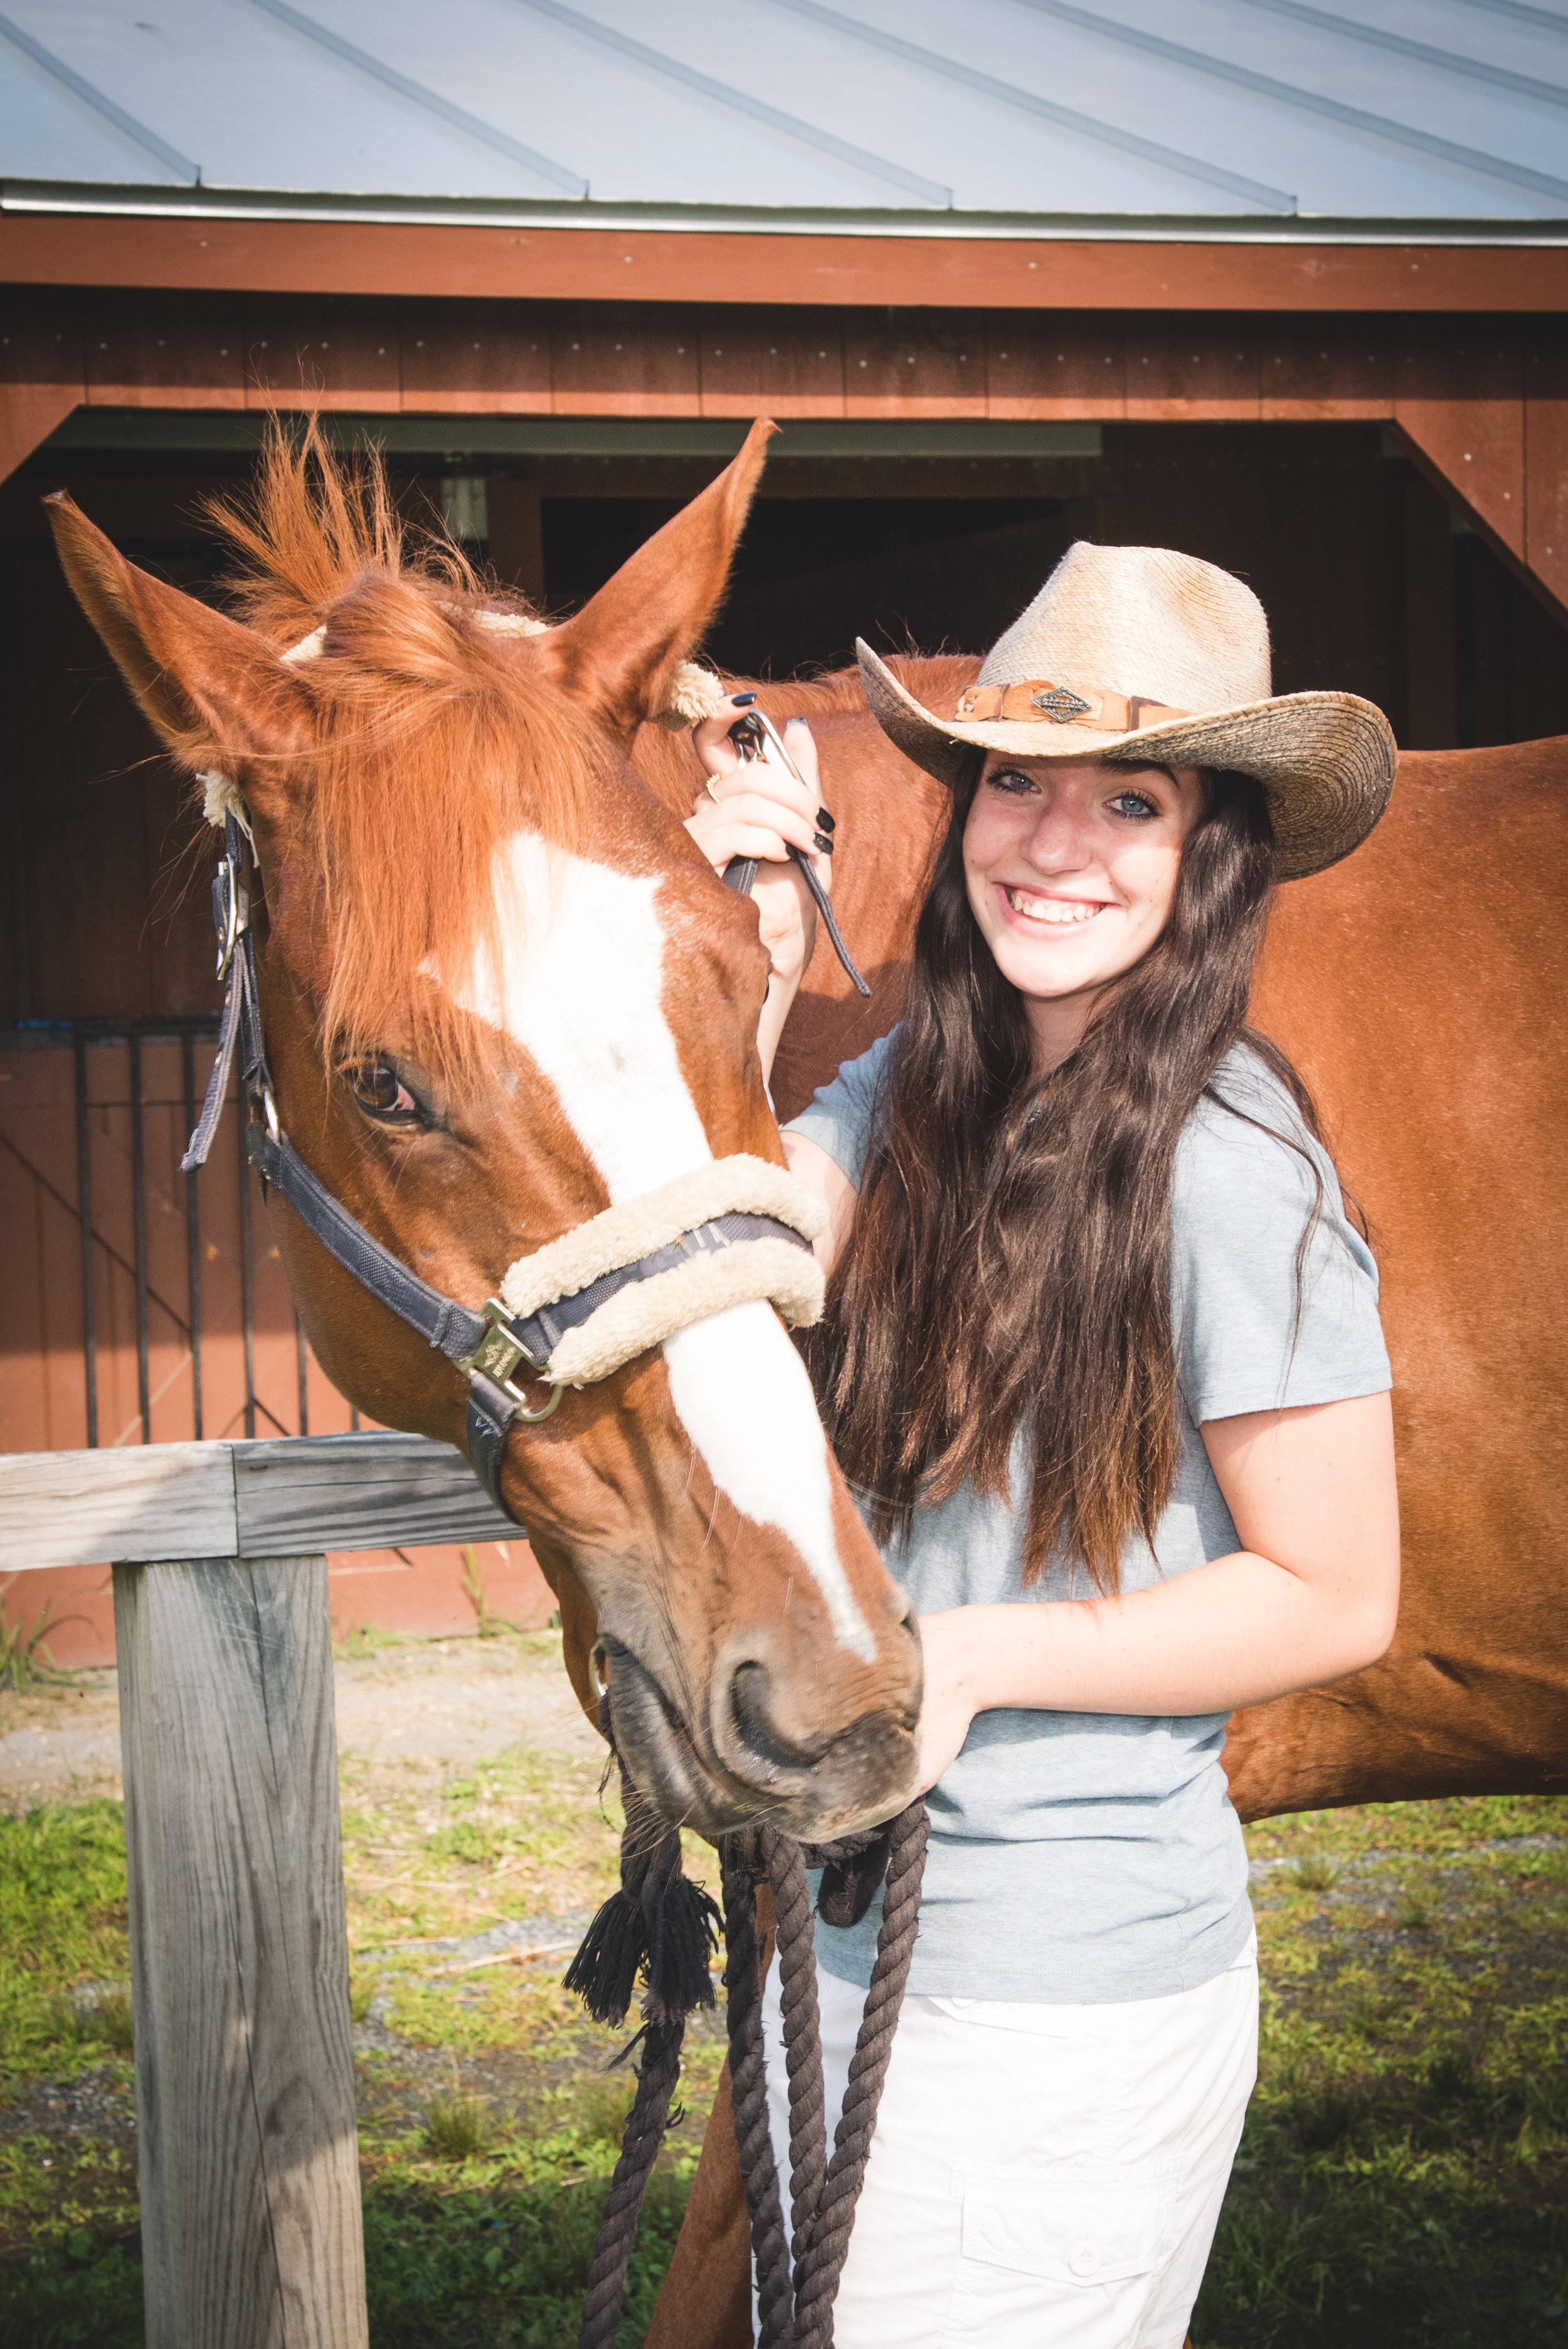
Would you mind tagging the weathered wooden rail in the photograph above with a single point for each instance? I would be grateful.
(238, 1945)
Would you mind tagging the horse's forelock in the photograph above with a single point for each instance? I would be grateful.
(440, 732)
(410, 631)
(435, 747)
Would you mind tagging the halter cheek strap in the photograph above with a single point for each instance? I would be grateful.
(737, 1230)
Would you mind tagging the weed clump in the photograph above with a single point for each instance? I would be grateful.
(113, 2021)
(457, 2126)
(24, 1656)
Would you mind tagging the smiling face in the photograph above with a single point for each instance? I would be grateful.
(1071, 870)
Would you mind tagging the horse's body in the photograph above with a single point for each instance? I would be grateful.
(1416, 987)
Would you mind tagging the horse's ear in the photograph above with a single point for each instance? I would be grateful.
(622, 649)
(213, 692)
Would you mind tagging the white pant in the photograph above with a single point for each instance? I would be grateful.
(1041, 2176)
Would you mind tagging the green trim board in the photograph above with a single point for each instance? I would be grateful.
(185, 430)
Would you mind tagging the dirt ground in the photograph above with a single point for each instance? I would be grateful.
(1412, 2111)
(476, 1845)
(437, 1705)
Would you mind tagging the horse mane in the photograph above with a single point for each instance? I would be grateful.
(437, 735)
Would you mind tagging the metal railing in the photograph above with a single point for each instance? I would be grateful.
(83, 1038)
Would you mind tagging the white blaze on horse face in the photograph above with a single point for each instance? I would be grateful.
(582, 973)
(743, 1397)
(580, 986)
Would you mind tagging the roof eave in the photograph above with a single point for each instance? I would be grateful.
(180, 202)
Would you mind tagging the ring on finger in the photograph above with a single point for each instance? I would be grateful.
(712, 788)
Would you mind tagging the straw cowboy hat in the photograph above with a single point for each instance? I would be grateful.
(1145, 658)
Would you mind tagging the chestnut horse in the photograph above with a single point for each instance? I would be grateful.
(1413, 986)
(502, 992)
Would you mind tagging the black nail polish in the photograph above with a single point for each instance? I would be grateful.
(823, 843)
(794, 721)
(825, 822)
(743, 700)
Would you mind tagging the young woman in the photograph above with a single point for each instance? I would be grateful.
(1102, 1359)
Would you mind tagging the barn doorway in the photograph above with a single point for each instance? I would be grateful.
(928, 535)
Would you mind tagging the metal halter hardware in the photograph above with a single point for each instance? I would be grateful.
(488, 1346)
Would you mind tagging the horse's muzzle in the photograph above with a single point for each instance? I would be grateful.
(747, 1769)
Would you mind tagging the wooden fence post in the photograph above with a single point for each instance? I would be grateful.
(250, 2180)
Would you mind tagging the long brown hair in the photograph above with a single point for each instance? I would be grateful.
(1009, 1261)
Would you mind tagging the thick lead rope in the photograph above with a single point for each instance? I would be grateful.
(797, 1949)
(824, 2264)
(795, 2296)
(798, 2269)
(604, 2296)
(744, 1869)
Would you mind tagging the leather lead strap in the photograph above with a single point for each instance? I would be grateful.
(490, 1415)
(231, 919)
(441, 1320)
(740, 873)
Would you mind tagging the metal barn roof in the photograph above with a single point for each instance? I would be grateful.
(1228, 118)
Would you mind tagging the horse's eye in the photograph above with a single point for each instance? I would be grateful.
(380, 1090)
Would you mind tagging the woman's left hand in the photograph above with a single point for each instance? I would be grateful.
(952, 1695)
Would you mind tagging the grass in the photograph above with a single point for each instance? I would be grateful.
(62, 1922)
(1403, 2179)
(475, 1590)
(456, 2127)
(490, 2129)
(356, 1644)
(1402, 2184)
(24, 1656)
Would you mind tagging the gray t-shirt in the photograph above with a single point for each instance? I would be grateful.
(1095, 1856)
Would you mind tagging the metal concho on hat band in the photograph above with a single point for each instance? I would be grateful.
(1035, 700)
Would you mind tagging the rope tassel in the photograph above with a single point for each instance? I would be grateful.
(659, 1929)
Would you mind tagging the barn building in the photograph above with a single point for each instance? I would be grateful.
(1280, 285)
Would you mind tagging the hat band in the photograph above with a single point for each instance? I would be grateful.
(1036, 701)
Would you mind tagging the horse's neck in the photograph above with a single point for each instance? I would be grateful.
(665, 761)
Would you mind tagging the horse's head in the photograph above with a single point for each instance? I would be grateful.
(502, 993)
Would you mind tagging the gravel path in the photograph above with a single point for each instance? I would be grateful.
(416, 1709)
(446, 1703)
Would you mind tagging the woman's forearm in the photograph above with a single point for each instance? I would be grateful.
(1312, 1597)
(1235, 1632)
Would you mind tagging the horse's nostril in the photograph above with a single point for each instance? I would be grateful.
(748, 1695)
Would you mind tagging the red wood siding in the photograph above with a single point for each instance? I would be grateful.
(1483, 401)
(388, 258)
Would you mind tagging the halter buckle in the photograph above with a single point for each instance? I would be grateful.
(497, 1356)
(231, 911)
